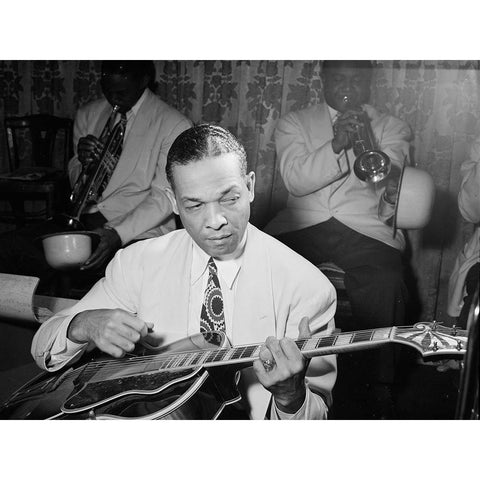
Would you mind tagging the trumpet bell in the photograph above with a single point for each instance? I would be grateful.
(372, 166)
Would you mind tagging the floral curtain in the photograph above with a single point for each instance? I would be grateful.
(438, 99)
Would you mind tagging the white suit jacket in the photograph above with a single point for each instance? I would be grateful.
(322, 184)
(276, 289)
(469, 204)
(134, 201)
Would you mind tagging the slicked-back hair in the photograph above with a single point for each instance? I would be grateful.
(201, 141)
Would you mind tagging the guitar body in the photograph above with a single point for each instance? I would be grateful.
(129, 388)
(193, 378)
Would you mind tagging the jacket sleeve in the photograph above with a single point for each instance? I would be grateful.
(156, 207)
(304, 171)
(469, 195)
(304, 291)
(51, 349)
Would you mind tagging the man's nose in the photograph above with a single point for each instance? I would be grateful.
(215, 217)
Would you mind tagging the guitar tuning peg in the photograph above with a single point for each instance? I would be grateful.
(435, 346)
(454, 330)
(459, 345)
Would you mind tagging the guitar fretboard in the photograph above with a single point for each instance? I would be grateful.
(310, 347)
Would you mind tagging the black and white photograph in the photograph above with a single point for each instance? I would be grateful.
(198, 233)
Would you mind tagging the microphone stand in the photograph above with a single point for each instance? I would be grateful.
(467, 403)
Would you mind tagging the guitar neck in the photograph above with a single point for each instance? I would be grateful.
(310, 347)
(430, 339)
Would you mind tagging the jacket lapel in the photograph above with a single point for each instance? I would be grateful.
(319, 126)
(172, 281)
(133, 148)
(254, 315)
(102, 119)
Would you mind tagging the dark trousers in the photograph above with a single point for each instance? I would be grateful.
(374, 286)
(21, 253)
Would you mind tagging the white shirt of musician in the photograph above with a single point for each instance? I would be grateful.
(228, 272)
(131, 114)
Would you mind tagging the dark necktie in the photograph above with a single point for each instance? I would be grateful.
(212, 317)
(115, 139)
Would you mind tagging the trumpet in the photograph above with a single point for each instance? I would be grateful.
(94, 176)
(371, 164)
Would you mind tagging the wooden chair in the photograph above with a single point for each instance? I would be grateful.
(39, 147)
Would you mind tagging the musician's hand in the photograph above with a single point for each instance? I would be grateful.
(89, 149)
(113, 331)
(391, 185)
(286, 378)
(344, 127)
(109, 243)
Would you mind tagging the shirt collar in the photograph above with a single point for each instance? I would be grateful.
(134, 110)
(227, 269)
(333, 113)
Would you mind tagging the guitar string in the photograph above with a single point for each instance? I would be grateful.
(166, 358)
(196, 358)
(112, 365)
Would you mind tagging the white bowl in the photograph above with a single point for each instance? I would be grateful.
(67, 250)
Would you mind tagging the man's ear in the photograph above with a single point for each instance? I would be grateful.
(173, 200)
(251, 185)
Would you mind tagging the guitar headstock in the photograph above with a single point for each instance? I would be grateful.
(432, 339)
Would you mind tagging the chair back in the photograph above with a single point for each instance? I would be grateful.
(33, 140)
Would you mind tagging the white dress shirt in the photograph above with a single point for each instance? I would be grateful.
(267, 290)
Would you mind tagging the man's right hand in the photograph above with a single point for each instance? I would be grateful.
(344, 127)
(113, 331)
(89, 150)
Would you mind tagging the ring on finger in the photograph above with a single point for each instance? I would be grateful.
(268, 365)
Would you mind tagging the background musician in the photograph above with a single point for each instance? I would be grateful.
(133, 203)
(465, 277)
(333, 216)
(218, 273)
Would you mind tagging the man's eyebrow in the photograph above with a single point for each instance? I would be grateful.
(229, 189)
(225, 191)
(191, 199)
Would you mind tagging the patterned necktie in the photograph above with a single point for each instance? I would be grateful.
(212, 317)
(115, 139)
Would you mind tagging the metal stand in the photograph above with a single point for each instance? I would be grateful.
(467, 404)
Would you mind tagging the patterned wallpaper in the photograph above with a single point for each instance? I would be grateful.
(439, 100)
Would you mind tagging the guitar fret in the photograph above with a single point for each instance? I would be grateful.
(214, 356)
(238, 352)
(310, 344)
(169, 363)
(183, 360)
(228, 354)
(381, 333)
(198, 358)
(343, 339)
(361, 336)
(301, 344)
(248, 352)
(326, 341)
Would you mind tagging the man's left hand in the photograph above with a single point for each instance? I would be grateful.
(281, 370)
(392, 184)
(109, 243)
